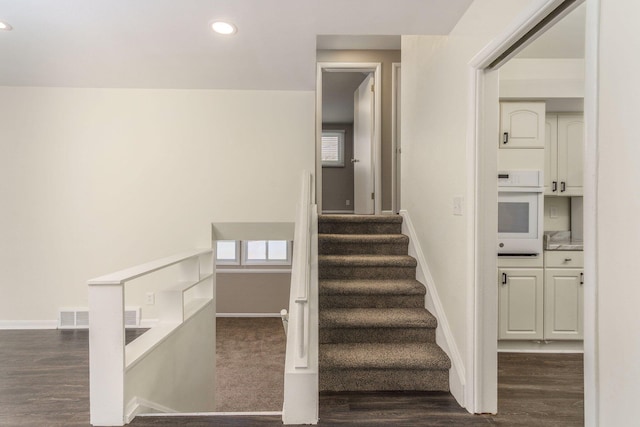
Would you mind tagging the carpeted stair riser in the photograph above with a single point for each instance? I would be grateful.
(376, 335)
(333, 244)
(359, 228)
(371, 301)
(384, 379)
(368, 273)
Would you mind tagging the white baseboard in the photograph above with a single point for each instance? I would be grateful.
(540, 347)
(444, 336)
(28, 324)
(249, 315)
(214, 414)
(387, 212)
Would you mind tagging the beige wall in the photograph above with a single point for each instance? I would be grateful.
(387, 58)
(337, 183)
(252, 292)
(96, 180)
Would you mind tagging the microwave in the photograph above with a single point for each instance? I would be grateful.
(520, 212)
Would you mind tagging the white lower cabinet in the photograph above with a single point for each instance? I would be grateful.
(542, 303)
(563, 304)
(521, 304)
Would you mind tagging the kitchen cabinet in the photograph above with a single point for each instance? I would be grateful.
(564, 147)
(522, 125)
(520, 296)
(563, 295)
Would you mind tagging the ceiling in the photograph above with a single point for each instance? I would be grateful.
(169, 44)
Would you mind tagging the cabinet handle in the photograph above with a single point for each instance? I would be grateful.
(505, 137)
(504, 278)
(567, 260)
(554, 186)
(582, 278)
(563, 187)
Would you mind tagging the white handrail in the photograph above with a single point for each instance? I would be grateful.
(301, 365)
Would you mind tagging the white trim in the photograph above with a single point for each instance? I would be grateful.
(540, 347)
(444, 336)
(591, 285)
(482, 393)
(252, 270)
(278, 315)
(387, 212)
(214, 414)
(28, 324)
(346, 212)
(136, 405)
(395, 137)
(376, 69)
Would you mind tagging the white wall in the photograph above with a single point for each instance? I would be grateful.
(95, 180)
(617, 211)
(435, 95)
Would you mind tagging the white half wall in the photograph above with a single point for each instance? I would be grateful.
(612, 232)
(96, 180)
(435, 96)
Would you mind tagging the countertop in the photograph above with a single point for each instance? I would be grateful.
(561, 241)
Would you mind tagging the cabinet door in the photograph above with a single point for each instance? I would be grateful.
(550, 154)
(570, 154)
(520, 304)
(522, 124)
(563, 304)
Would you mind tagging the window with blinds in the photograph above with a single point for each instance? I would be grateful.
(333, 148)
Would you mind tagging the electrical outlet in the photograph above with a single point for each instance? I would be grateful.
(348, 202)
(553, 212)
(150, 298)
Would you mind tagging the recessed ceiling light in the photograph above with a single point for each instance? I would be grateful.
(225, 28)
(4, 26)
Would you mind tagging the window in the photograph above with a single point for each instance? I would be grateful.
(333, 148)
(274, 252)
(227, 252)
(253, 252)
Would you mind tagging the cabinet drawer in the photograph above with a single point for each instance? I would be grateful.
(569, 259)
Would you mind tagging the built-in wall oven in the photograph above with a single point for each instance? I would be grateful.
(520, 212)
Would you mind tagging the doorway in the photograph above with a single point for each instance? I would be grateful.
(486, 162)
(348, 138)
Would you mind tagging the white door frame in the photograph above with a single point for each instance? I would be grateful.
(365, 67)
(396, 143)
(481, 375)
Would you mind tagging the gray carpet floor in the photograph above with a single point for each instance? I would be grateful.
(250, 357)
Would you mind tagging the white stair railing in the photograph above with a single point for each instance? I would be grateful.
(169, 368)
(301, 365)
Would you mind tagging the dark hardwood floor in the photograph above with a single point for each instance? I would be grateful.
(44, 381)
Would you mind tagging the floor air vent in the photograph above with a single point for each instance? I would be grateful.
(78, 318)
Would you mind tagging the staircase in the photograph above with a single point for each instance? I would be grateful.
(375, 333)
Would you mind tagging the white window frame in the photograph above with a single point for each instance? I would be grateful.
(235, 261)
(246, 261)
(341, 135)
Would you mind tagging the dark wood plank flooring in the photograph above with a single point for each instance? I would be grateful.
(44, 381)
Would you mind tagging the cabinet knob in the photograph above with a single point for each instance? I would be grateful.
(554, 186)
(505, 137)
(563, 187)
(567, 260)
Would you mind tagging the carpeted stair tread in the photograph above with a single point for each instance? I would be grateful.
(383, 318)
(328, 261)
(414, 356)
(371, 287)
(371, 219)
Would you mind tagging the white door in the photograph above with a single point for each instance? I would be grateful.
(363, 125)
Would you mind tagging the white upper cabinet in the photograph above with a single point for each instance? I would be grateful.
(522, 124)
(564, 154)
